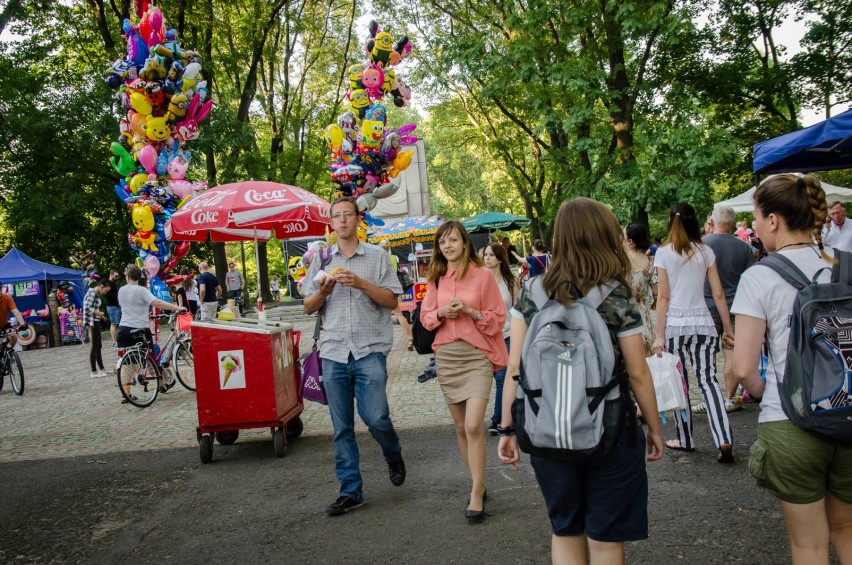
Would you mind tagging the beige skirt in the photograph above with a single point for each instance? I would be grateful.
(463, 372)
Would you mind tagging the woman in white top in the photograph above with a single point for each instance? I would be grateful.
(685, 326)
(811, 476)
(497, 261)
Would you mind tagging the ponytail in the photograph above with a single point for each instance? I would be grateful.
(683, 229)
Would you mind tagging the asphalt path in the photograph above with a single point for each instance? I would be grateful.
(138, 501)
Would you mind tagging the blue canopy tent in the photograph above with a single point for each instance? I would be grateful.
(821, 147)
(17, 267)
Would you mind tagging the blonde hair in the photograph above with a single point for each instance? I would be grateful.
(797, 198)
(438, 265)
(588, 249)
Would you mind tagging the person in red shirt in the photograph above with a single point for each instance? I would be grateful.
(467, 310)
(7, 306)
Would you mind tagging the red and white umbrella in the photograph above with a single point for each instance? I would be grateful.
(250, 210)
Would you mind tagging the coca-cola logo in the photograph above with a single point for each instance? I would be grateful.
(202, 217)
(299, 226)
(255, 197)
(209, 198)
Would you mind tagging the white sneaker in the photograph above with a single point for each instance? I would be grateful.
(96, 374)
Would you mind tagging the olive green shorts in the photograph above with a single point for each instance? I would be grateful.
(798, 467)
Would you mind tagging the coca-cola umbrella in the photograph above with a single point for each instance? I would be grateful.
(250, 210)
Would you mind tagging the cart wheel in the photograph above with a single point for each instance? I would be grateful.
(227, 437)
(295, 427)
(279, 442)
(205, 449)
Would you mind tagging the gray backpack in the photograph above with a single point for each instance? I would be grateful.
(572, 395)
(815, 392)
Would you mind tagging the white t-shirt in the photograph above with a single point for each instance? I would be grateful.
(762, 293)
(135, 302)
(688, 313)
(507, 302)
(192, 293)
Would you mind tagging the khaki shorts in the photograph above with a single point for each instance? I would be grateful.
(798, 467)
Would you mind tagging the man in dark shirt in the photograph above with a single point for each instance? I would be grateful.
(510, 249)
(113, 309)
(208, 292)
(733, 257)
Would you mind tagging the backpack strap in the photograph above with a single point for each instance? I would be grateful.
(786, 269)
(841, 272)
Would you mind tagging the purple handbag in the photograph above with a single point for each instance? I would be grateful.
(311, 386)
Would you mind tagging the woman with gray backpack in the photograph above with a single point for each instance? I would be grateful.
(800, 299)
(576, 348)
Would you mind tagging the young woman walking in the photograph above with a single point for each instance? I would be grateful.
(594, 506)
(811, 476)
(467, 310)
(685, 326)
(497, 261)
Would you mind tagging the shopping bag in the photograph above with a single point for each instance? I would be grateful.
(669, 384)
(311, 386)
(184, 321)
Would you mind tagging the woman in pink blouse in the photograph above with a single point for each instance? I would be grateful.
(467, 309)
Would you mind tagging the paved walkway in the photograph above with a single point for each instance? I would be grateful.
(64, 412)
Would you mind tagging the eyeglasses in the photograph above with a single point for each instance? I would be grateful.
(341, 215)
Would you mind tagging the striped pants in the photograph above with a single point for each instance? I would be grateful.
(701, 350)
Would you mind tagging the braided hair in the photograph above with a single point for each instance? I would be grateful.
(797, 198)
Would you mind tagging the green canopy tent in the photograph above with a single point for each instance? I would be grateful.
(488, 222)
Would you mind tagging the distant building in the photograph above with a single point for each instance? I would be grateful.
(412, 198)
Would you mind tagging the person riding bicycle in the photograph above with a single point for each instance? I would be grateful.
(8, 306)
(136, 301)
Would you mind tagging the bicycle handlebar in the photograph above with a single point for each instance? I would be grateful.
(15, 330)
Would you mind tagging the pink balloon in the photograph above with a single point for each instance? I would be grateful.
(152, 266)
(148, 159)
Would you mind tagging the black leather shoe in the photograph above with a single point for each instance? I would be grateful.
(396, 470)
(476, 515)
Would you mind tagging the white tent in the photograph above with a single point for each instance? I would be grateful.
(744, 202)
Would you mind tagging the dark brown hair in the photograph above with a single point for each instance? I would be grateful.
(505, 270)
(797, 198)
(588, 249)
(438, 265)
(683, 229)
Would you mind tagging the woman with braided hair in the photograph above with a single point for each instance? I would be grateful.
(685, 326)
(811, 476)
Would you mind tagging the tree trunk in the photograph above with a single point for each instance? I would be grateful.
(97, 7)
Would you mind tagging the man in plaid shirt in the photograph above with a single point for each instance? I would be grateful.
(92, 318)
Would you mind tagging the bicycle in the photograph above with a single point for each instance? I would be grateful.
(142, 374)
(10, 363)
(182, 359)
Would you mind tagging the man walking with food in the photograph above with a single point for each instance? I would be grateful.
(354, 296)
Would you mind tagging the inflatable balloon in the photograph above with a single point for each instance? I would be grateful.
(152, 266)
(148, 159)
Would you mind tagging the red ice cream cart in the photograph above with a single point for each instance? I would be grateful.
(246, 377)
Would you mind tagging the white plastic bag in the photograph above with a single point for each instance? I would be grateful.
(668, 382)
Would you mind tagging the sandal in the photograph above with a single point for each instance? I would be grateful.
(726, 453)
(674, 445)
(699, 409)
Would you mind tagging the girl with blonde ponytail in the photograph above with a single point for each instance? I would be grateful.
(811, 476)
(685, 326)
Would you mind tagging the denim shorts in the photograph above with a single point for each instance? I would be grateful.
(607, 498)
(798, 467)
(114, 315)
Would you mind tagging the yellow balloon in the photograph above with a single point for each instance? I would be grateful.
(140, 103)
(334, 137)
(137, 182)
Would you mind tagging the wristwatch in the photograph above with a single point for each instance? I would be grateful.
(478, 316)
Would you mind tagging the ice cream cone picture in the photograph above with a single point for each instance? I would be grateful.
(230, 368)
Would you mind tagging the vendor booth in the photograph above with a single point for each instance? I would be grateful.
(29, 282)
(745, 202)
(824, 146)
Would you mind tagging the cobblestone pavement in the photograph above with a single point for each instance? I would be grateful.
(64, 412)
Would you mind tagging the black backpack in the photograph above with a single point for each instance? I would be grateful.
(420, 336)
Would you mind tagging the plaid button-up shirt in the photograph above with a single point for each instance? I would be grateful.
(91, 304)
(352, 322)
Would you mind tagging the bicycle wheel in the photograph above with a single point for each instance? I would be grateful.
(183, 364)
(16, 373)
(138, 377)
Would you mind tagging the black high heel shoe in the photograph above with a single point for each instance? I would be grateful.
(474, 516)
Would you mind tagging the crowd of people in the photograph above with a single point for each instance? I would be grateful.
(678, 296)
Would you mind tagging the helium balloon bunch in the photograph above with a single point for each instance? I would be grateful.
(162, 98)
(84, 261)
(366, 153)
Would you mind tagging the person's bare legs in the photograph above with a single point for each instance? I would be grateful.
(606, 552)
(807, 529)
(468, 417)
(403, 323)
(840, 527)
(568, 550)
(728, 372)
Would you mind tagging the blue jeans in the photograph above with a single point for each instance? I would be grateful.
(362, 381)
(114, 315)
(499, 377)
